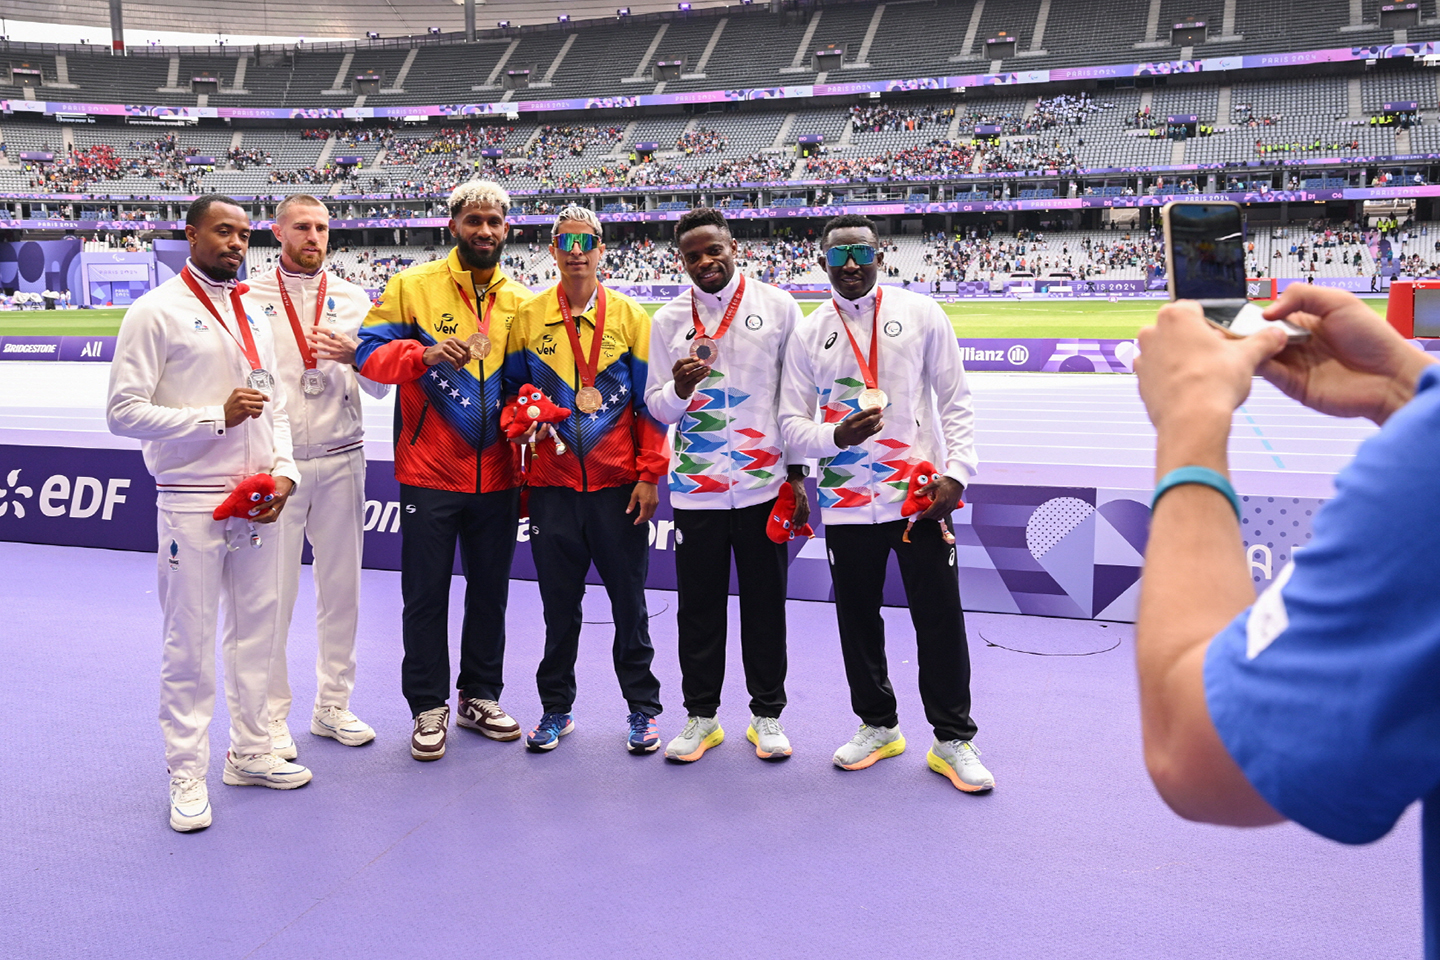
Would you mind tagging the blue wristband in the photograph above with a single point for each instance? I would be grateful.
(1204, 476)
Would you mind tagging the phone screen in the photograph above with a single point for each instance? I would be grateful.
(1207, 251)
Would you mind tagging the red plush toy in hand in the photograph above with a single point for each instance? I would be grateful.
(781, 527)
(921, 475)
(532, 407)
(250, 498)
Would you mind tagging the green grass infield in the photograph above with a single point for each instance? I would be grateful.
(978, 319)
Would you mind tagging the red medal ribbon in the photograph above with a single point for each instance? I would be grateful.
(252, 355)
(483, 326)
(867, 373)
(586, 369)
(725, 321)
(306, 354)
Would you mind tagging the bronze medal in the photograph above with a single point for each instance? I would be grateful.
(479, 345)
(706, 350)
(588, 400)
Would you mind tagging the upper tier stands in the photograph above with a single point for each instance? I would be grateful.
(754, 48)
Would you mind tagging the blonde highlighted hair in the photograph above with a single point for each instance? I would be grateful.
(478, 191)
(576, 212)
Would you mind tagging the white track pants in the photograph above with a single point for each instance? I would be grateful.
(200, 579)
(328, 508)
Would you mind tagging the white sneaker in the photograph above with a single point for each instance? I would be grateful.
(769, 738)
(959, 760)
(869, 745)
(340, 724)
(281, 743)
(189, 804)
(264, 770)
(699, 735)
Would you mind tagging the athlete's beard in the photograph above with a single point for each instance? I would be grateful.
(476, 260)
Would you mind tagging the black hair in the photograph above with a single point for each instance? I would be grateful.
(847, 220)
(700, 217)
(202, 205)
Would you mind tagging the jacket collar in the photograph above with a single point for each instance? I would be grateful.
(855, 308)
(720, 300)
(588, 313)
(217, 287)
(465, 279)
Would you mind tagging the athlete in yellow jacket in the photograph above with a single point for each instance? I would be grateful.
(586, 347)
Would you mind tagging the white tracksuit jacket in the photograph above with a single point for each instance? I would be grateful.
(174, 368)
(930, 416)
(331, 422)
(329, 506)
(727, 452)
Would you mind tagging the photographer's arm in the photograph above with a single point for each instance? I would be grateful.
(1192, 378)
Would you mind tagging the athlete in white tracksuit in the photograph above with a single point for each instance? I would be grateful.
(328, 507)
(175, 366)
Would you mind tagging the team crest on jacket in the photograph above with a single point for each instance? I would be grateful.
(893, 328)
(200, 324)
(269, 309)
(753, 322)
(330, 304)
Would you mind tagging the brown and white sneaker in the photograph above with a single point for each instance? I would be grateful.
(486, 717)
(428, 740)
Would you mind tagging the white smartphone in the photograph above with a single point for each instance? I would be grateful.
(1205, 262)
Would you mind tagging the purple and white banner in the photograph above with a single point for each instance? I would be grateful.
(1050, 551)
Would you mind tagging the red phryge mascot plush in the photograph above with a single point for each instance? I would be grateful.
(532, 407)
(916, 502)
(250, 498)
(528, 409)
(781, 527)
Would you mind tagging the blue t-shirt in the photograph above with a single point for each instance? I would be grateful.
(1341, 655)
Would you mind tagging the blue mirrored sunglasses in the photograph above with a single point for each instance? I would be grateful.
(842, 253)
(584, 242)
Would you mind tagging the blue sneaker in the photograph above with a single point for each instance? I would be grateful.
(644, 733)
(549, 730)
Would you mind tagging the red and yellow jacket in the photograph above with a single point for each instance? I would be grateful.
(621, 442)
(447, 422)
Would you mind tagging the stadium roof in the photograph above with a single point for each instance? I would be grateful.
(326, 18)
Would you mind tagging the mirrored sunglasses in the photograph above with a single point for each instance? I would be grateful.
(840, 254)
(584, 242)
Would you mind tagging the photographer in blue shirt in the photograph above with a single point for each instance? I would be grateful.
(1243, 700)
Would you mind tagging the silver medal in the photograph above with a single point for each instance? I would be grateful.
(260, 379)
(312, 382)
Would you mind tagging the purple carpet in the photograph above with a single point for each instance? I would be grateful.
(591, 853)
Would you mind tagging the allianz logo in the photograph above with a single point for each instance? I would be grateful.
(1015, 355)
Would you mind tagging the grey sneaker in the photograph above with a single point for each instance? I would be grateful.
(264, 770)
(340, 724)
(960, 761)
(486, 717)
(868, 745)
(769, 738)
(189, 804)
(281, 743)
(699, 735)
(428, 740)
